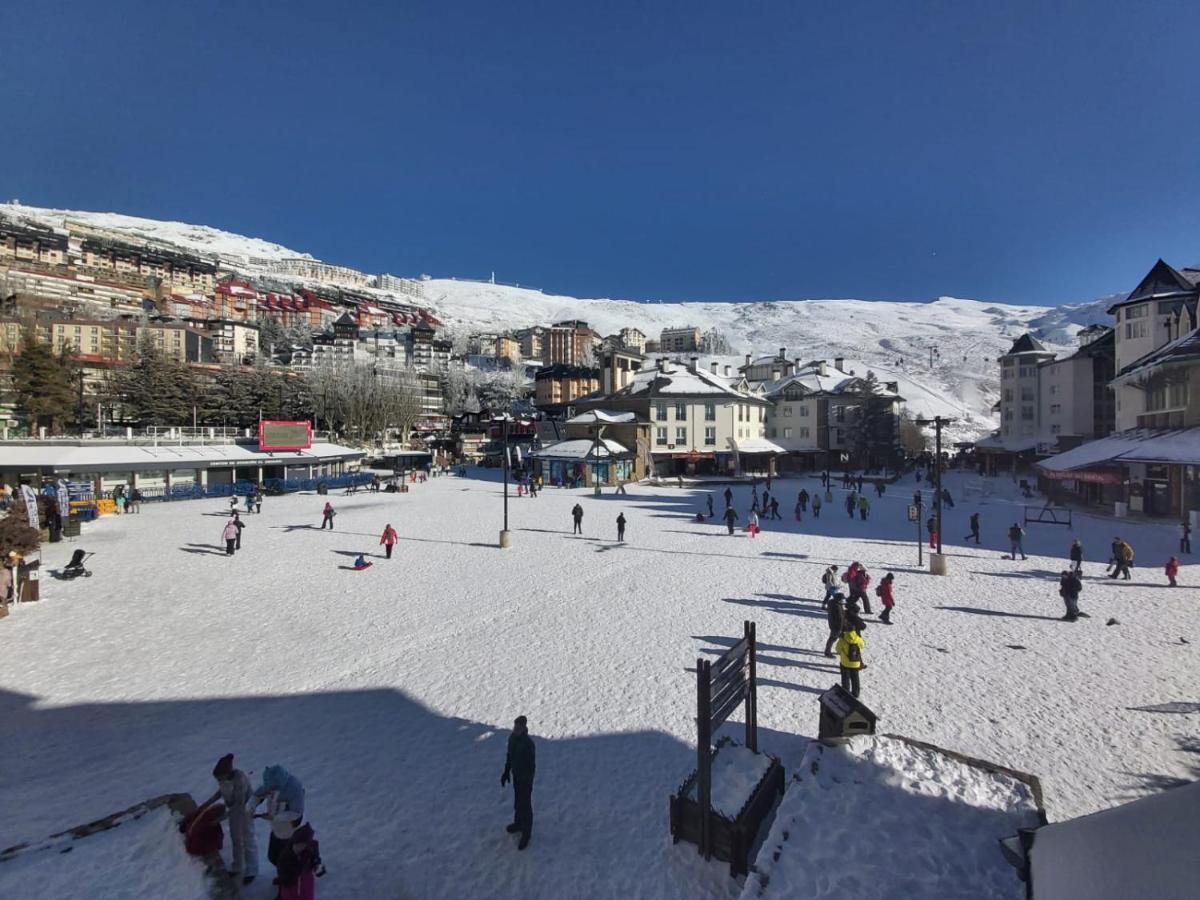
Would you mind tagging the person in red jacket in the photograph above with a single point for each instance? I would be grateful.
(884, 593)
(1171, 571)
(859, 580)
(388, 540)
(202, 830)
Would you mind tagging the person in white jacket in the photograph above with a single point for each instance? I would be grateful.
(234, 790)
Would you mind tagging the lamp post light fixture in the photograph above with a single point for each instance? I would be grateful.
(937, 563)
(505, 535)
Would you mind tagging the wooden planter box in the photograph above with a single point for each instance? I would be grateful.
(732, 838)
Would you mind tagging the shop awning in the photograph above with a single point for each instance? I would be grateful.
(759, 445)
(582, 449)
(1170, 446)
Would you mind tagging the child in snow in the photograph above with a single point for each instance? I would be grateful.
(202, 830)
(327, 515)
(830, 580)
(1069, 588)
(388, 539)
(753, 526)
(299, 864)
(850, 657)
(1171, 571)
(360, 563)
(799, 511)
(230, 535)
(884, 593)
(285, 807)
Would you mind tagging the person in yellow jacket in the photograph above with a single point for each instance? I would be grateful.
(850, 657)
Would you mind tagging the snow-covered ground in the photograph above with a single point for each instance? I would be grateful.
(389, 692)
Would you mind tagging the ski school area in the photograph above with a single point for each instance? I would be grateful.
(390, 695)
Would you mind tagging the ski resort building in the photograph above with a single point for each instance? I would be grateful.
(679, 340)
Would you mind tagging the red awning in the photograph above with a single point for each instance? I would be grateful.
(1093, 476)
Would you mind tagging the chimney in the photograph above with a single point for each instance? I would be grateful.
(747, 359)
(893, 386)
(692, 364)
(783, 352)
(713, 367)
(727, 372)
(837, 363)
(796, 363)
(822, 368)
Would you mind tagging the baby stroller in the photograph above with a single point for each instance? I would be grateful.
(75, 567)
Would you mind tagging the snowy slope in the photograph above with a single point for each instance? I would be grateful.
(893, 338)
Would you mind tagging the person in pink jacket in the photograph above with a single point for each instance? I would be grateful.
(388, 540)
(230, 534)
(1171, 571)
(884, 592)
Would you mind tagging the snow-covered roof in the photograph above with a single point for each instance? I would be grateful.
(680, 381)
(995, 442)
(1179, 446)
(602, 417)
(130, 457)
(834, 382)
(1146, 848)
(582, 448)
(758, 445)
(1183, 349)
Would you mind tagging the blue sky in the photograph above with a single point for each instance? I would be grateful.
(1031, 152)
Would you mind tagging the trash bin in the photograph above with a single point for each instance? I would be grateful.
(937, 564)
(30, 581)
(322, 488)
(843, 716)
(1120, 509)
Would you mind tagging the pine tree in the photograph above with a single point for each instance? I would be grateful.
(44, 384)
(875, 433)
(155, 390)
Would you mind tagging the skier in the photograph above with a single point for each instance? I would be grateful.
(884, 592)
(850, 657)
(775, 508)
(285, 807)
(931, 527)
(752, 527)
(621, 527)
(327, 516)
(710, 505)
(1077, 557)
(816, 500)
(730, 518)
(802, 499)
(230, 535)
(239, 525)
(1185, 536)
(728, 497)
(233, 790)
(830, 580)
(299, 864)
(1069, 587)
(835, 615)
(520, 763)
(1016, 538)
(577, 518)
(974, 522)
(388, 539)
(864, 507)
(1171, 571)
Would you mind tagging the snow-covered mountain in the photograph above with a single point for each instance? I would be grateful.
(942, 353)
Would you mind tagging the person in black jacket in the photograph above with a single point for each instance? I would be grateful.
(520, 764)
(730, 518)
(835, 611)
(621, 527)
(1069, 588)
(577, 518)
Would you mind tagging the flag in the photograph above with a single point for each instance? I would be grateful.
(63, 498)
(518, 452)
(31, 507)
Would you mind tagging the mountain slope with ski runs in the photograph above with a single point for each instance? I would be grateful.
(942, 353)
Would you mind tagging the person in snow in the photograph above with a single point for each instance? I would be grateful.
(327, 515)
(775, 508)
(728, 497)
(230, 536)
(577, 518)
(233, 790)
(708, 499)
(520, 764)
(1069, 588)
(621, 527)
(1077, 556)
(239, 525)
(1016, 540)
(946, 498)
(766, 502)
(825, 479)
(299, 864)
(1123, 554)
(258, 495)
(850, 657)
(730, 518)
(816, 501)
(858, 580)
(830, 581)
(860, 483)
(864, 507)
(202, 831)
(802, 500)
(835, 615)
(233, 502)
(285, 807)
(884, 592)
(1171, 571)
(799, 511)
(754, 495)
(851, 503)
(250, 503)
(1185, 536)
(974, 522)
(361, 562)
(388, 539)
(752, 527)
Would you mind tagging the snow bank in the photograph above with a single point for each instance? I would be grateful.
(881, 818)
(736, 772)
(139, 858)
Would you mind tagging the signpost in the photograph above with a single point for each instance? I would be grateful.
(914, 515)
(284, 435)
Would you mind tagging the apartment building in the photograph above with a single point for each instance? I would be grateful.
(558, 386)
(618, 367)
(316, 270)
(679, 340)
(532, 342)
(425, 351)
(507, 347)
(184, 344)
(91, 340)
(633, 339)
(25, 245)
(569, 343)
(412, 287)
(67, 291)
(235, 300)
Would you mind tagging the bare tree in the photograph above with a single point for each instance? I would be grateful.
(365, 402)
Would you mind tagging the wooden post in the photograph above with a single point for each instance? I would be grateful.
(751, 690)
(704, 753)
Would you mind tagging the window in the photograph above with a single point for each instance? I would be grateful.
(1054, 389)
(1026, 395)
(710, 436)
(739, 412)
(837, 435)
(681, 435)
(787, 432)
(803, 431)
(1008, 413)
(660, 415)
(1055, 429)
(803, 412)
(787, 412)
(1027, 413)
(660, 436)
(1055, 408)
(762, 414)
(1137, 312)
(681, 411)
(1166, 307)
(710, 412)
(1008, 395)
(1135, 330)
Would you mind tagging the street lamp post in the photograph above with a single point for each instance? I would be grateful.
(505, 535)
(937, 566)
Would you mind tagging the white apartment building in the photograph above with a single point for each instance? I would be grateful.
(678, 340)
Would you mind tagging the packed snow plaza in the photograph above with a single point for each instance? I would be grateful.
(390, 692)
